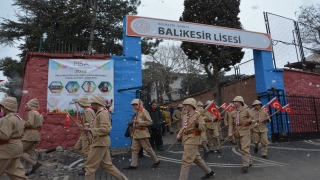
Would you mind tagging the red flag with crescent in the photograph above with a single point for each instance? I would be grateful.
(212, 108)
(266, 109)
(275, 104)
(224, 105)
(287, 109)
(229, 108)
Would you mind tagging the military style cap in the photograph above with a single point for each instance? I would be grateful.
(84, 101)
(238, 98)
(256, 102)
(98, 99)
(10, 103)
(33, 103)
(190, 101)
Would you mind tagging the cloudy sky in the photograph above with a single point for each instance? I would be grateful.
(251, 15)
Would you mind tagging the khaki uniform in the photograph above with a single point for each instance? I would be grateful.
(141, 138)
(191, 139)
(212, 129)
(227, 119)
(168, 119)
(259, 131)
(11, 149)
(203, 138)
(99, 154)
(243, 136)
(31, 135)
(177, 117)
(82, 146)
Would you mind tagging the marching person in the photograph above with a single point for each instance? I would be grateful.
(11, 149)
(227, 118)
(167, 113)
(203, 133)
(259, 130)
(82, 145)
(212, 130)
(157, 119)
(241, 116)
(177, 117)
(140, 136)
(99, 154)
(31, 135)
(190, 134)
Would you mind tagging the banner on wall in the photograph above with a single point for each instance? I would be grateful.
(71, 79)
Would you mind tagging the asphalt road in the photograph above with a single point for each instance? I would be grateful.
(288, 160)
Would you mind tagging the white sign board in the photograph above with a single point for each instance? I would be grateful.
(199, 33)
(70, 79)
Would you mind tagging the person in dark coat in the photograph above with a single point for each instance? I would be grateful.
(157, 119)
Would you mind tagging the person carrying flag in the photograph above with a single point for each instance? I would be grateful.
(227, 118)
(82, 145)
(141, 135)
(240, 121)
(177, 116)
(212, 129)
(203, 138)
(99, 154)
(259, 131)
(11, 149)
(31, 135)
(190, 134)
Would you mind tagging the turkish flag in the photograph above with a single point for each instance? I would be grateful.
(266, 109)
(224, 105)
(230, 108)
(212, 108)
(287, 109)
(67, 120)
(275, 104)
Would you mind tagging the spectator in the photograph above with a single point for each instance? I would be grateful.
(157, 119)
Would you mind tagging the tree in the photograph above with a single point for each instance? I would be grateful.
(163, 67)
(12, 69)
(309, 20)
(70, 26)
(213, 57)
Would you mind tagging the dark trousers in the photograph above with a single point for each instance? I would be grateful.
(156, 137)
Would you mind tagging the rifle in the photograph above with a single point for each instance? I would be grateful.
(225, 140)
(182, 133)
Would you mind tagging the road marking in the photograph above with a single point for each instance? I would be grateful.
(311, 142)
(66, 178)
(55, 178)
(74, 163)
(262, 160)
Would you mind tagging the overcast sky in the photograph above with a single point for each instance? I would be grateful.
(251, 15)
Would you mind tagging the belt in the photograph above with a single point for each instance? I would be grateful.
(7, 141)
(234, 124)
(196, 133)
(140, 128)
(207, 121)
(104, 135)
(29, 128)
